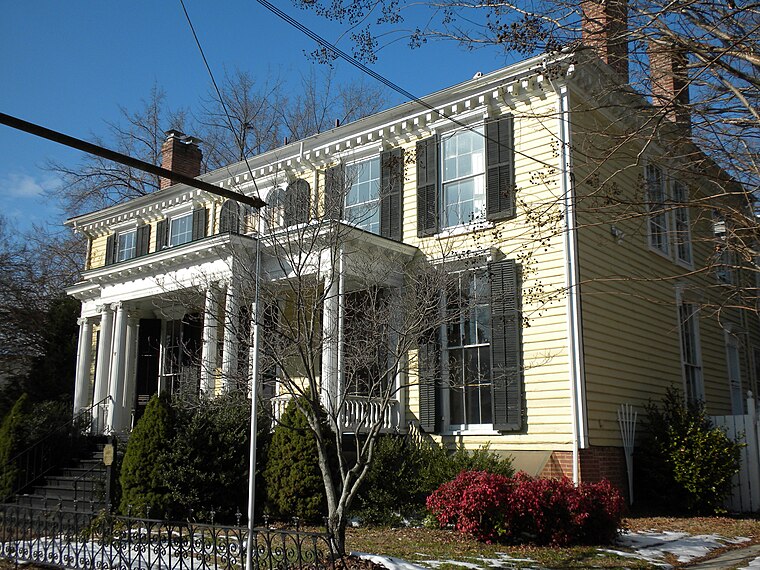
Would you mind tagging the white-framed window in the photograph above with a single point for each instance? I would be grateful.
(733, 364)
(126, 245)
(691, 357)
(274, 212)
(467, 352)
(658, 223)
(181, 229)
(362, 204)
(681, 223)
(725, 265)
(463, 180)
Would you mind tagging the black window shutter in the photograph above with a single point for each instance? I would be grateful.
(297, 202)
(142, 240)
(500, 166)
(304, 201)
(427, 186)
(335, 178)
(199, 223)
(506, 373)
(428, 357)
(391, 193)
(111, 249)
(162, 234)
(229, 219)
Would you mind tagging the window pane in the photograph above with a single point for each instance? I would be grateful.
(362, 195)
(456, 388)
(463, 154)
(463, 201)
(692, 361)
(181, 230)
(658, 217)
(469, 351)
(681, 217)
(126, 246)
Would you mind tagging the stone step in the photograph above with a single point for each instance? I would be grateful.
(68, 482)
(49, 503)
(83, 471)
(91, 491)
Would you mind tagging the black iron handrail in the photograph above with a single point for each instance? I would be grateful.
(48, 452)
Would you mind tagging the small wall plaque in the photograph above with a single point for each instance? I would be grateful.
(108, 454)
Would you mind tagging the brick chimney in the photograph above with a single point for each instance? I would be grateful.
(604, 27)
(670, 81)
(180, 153)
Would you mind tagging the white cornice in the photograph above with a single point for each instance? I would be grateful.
(156, 262)
(403, 123)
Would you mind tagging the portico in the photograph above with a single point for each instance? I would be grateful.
(164, 322)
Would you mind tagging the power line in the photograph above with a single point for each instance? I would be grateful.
(384, 80)
(90, 148)
(219, 94)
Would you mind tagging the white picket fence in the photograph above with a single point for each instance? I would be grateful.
(745, 497)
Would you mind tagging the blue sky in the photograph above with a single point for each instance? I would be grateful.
(70, 66)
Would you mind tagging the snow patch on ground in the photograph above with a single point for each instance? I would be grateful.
(389, 562)
(651, 546)
(504, 560)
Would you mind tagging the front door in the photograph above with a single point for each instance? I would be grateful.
(148, 350)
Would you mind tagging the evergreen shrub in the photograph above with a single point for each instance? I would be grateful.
(208, 459)
(292, 477)
(492, 507)
(403, 473)
(684, 463)
(145, 467)
(12, 441)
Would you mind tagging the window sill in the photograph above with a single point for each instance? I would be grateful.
(685, 265)
(663, 254)
(471, 431)
(463, 229)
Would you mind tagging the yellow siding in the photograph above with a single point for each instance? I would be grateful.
(547, 419)
(98, 252)
(631, 331)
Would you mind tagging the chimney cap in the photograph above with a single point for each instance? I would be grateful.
(174, 133)
(190, 139)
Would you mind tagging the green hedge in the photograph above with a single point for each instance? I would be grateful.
(145, 466)
(12, 441)
(684, 463)
(292, 478)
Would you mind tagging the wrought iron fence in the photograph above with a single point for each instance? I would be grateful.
(77, 540)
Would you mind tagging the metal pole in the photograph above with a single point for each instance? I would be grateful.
(254, 400)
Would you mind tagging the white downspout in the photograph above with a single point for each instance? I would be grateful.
(572, 283)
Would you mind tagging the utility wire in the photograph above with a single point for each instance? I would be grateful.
(90, 148)
(240, 142)
(385, 81)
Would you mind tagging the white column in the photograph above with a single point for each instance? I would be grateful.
(230, 349)
(330, 317)
(163, 387)
(103, 365)
(84, 360)
(118, 367)
(128, 403)
(399, 359)
(209, 352)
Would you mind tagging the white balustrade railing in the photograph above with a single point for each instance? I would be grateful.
(357, 412)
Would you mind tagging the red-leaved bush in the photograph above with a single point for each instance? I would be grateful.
(523, 509)
(472, 503)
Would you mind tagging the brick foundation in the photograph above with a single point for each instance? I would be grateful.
(596, 463)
